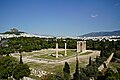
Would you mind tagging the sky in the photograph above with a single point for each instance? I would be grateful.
(60, 17)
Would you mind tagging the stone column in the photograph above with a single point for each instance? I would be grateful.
(65, 49)
(56, 50)
(84, 45)
(77, 46)
(81, 46)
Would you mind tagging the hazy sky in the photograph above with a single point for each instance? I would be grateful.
(60, 17)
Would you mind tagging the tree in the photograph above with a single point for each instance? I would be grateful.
(7, 64)
(90, 61)
(117, 54)
(66, 71)
(21, 62)
(76, 74)
(111, 75)
(93, 45)
(83, 75)
(118, 69)
(20, 71)
(91, 71)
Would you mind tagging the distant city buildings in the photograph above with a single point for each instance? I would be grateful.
(23, 34)
(110, 38)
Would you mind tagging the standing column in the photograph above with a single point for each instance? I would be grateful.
(56, 50)
(65, 49)
(81, 46)
(85, 45)
(77, 47)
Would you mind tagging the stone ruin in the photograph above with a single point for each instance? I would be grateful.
(39, 73)
(81, 46)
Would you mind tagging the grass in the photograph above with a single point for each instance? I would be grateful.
(86, 53)
(54, 68)
(27, 53)
(57, 68)
(114, 65)
(44, 67)
(46, 56)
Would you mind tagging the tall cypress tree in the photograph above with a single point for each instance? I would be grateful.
(90, 61)
(66, 71)
(93, 45)
(76, 74)
(21, 62)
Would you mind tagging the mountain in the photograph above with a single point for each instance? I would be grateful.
(95, 34)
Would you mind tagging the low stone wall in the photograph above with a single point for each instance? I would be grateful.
(105, 64)
(101, 67)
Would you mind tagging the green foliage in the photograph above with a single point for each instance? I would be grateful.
(29, 44)
(117, 54)
(21, 62)
(90, 61)
(111, 75)
(33, 43)
(91, 71)
(76, 74)
(7, 65)
(20, 71)
(99, 60)
(52, 77)
(66, 71)
(83, 76)
(66, 68)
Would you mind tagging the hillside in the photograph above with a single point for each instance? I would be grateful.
(95, 34)
(13, 31)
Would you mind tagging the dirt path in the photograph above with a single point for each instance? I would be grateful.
(82, 57)
(27, 59)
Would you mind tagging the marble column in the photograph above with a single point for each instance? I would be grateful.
(84, 45)
(81, 46)
(56, 50)
(78, 46)
(65, 49)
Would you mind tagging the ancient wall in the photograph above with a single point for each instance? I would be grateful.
(105, 64)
